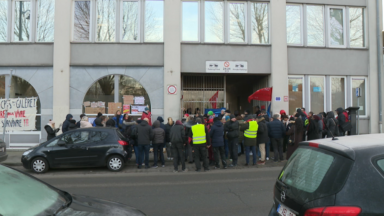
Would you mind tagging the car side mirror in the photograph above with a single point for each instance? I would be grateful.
(61, 143)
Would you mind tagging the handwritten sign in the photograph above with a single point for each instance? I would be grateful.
(21, 113)
(139, 100)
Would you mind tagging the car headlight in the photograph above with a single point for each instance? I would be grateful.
(27, 152)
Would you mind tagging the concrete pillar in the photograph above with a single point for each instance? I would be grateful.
(61, 60)
(373, 90)
(172, 59)
(279, 58)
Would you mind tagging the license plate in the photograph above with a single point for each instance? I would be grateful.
(284, 211)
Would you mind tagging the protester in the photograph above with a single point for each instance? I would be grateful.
(51, 130)
(118, 119)
(67, 123)
(250, 139)
(97, 117)
(78, 123)
(210, 148)
(200, 140)
(128, 124)
(276, 132)
(343, 121)
(168, 143)
(222, 113)
(133, 140)
(240, 148)
(110, 123)
(84, 123)
(296, 136)
(158, 143)
(188, 147)
(319, 125)
(144, 138)
(177, 140)
(217, 139)
(248, 115)
(72, 125)
(147, 114)
(211, 115)
(101, 121)
(332, 128)
(313, 128)
(231, 128)
(257, 111)
(262, 138)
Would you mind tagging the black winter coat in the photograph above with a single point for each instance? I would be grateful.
(341, 120)
(331, 125)
(177, 136)
(72, 125)
(110, 123)
(158, 133)
(65, 126)
(313, 130)
(51, 133)
(168, 132)
(262, 132)
(276, 129)
(144, 133)
(217, 134)
(232, 128)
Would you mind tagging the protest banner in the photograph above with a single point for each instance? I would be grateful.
(21, 113)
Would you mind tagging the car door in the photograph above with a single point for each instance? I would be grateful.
(99, 145)
(73, 153)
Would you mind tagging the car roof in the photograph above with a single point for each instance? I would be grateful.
(349, 145)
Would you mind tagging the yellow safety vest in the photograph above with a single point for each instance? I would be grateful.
(251, 132)
(198, 134)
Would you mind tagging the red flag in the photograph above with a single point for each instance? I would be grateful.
(213, 100)
(264, 94)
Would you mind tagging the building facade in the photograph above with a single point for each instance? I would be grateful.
(189, 56)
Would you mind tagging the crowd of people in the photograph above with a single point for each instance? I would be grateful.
(216, 140)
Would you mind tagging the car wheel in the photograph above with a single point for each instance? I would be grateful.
(40, 165)
(115, 163)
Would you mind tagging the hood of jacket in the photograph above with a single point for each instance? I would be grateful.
(69, 116)
(144, 123)
(110, 123)
(330, 115)
(98, 122)
(156, 124)
(160, 119)
(218, 124)
(339, 110)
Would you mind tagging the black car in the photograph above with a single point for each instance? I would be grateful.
(86, 147)
(343, 177)
(22, 194)
(3, 151)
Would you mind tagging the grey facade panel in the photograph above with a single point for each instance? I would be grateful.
(28, 54)
(194, 56)
(331, 2)
(322, 61)
(122, 54)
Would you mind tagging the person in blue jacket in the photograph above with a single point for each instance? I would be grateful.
(118, 119)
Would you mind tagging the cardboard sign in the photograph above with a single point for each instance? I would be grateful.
(94, 110)
(21, 113)
(94, 104)
(139, 100)
(128, 99)
(87, 103)
(113, 107)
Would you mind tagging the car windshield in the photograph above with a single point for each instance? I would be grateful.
(22, 195)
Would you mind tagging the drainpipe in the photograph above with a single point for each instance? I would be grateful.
(379, 56)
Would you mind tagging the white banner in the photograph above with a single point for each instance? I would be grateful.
(226, 66)
(21, 113)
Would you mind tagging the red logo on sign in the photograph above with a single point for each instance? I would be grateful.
(226, 64)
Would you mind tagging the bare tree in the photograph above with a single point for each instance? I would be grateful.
(106, 20)
(237, 22)
(82, 20)
(260, 26)
(215, 24)
(130, 25)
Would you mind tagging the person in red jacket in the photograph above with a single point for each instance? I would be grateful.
(147, 114)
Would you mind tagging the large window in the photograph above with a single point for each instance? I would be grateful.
(356, 27)
(237, 22)
(214, 21)
(295, 91)
(336, 27)
(3, 20)
(317, 92)
(294, 24)
(260, 23)
(118, 21)
(315, 25)
(22, 21)
(359, 82)
(45, 20)
(338, 92)
(190, 21)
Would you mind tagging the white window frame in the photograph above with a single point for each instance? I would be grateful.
(198, 21)
(116, 28)
(345, 90)
(203, 22)
(304, 87)
(309, 91)
(365, 29)
(269, 22)
(301, 25)
(345, 32)
(306, 26)
(90, 26)
(120, 23)
(365, 91)
(228, 25)
(32, 13)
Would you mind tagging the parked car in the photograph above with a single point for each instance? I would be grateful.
(3, 151)
(22, 194)
(343, 177)
(86, 147)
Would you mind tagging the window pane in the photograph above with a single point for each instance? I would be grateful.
(295, 89)
(214, 22)
(154, 15)
(45, 20)
(317, 94)
(293, 14)
(102, 90)
(356, 24)
(3, 20)
(338, 92)
(131, 21)
(260, 27)
(359, 83)
(336, 23)
(129, 86)
(237, 28)
(190, 21)
(106, 20)
(22, 21)
(315, 25)
(82, 21)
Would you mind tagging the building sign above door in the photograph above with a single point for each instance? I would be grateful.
(226, 67)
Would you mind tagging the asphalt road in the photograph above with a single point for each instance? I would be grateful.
(219, 192)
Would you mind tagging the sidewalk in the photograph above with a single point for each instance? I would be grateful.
(14, 159)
